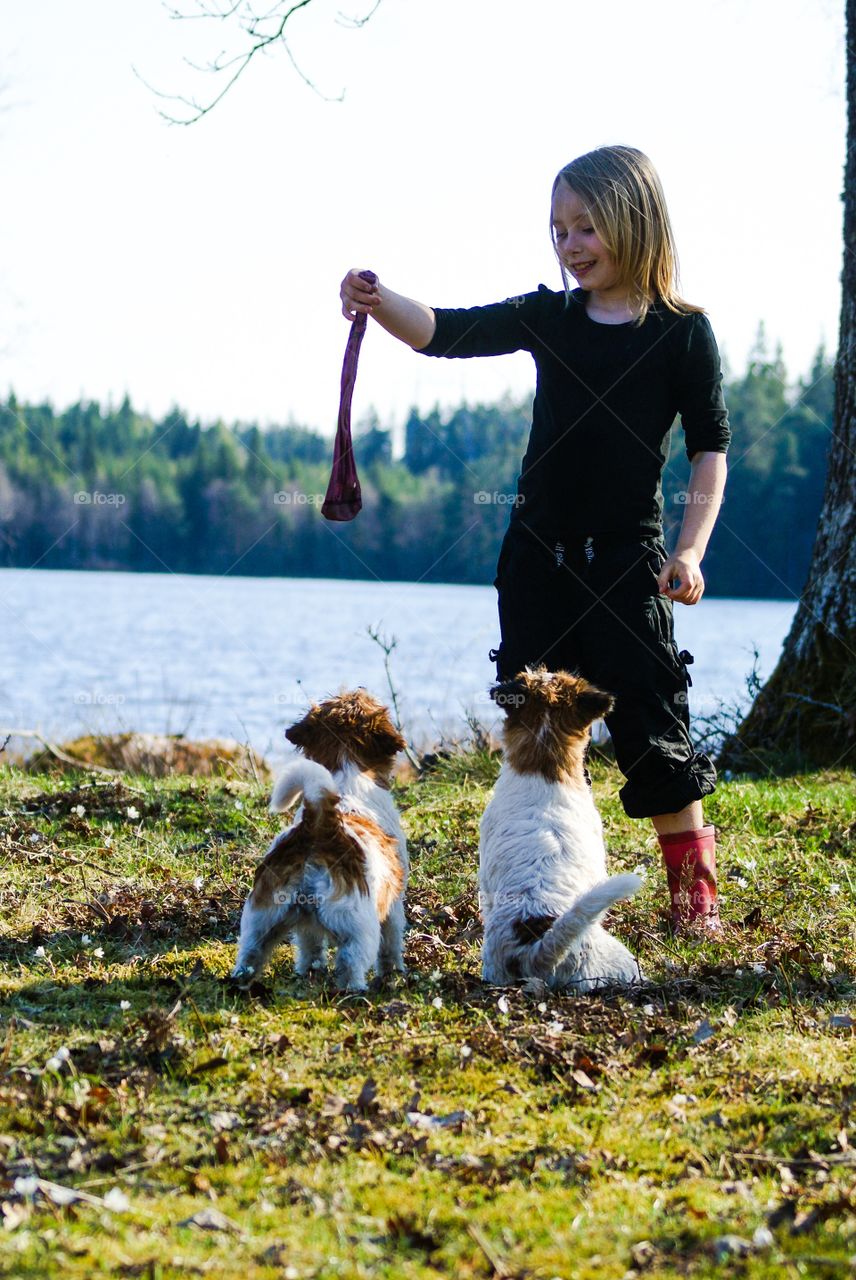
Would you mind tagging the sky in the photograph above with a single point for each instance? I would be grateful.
(199, 266)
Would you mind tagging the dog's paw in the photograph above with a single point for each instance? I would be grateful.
(243, 976)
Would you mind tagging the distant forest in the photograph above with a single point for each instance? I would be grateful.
(95, 488)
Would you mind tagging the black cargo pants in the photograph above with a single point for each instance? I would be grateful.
(592, 605)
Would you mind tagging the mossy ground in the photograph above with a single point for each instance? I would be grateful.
(597, 1137)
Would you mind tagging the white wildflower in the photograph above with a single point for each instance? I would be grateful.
(40, 952)
(132, 811)
(85, 939)
(437, 1002)
(124, 1005)
(79, 810)
(239, 804)
(648, 1009)
(198, 883)
(742, 883)
(834, 888)
(34, 837)
(26, 1186)
(99, 952)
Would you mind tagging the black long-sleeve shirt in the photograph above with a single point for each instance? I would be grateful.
(606, 397)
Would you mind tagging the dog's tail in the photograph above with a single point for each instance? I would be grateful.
(550, 950)
(312, 780)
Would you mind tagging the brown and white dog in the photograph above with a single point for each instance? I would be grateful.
(543, 886)
(338, 874)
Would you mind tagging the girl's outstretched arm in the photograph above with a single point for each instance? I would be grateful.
(703, 500)
(410, 321)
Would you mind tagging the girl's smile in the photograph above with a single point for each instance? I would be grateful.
(583, 253)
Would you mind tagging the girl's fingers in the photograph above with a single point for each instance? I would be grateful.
(357, 295)
(355, 282)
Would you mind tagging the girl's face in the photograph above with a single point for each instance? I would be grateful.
(585, 257)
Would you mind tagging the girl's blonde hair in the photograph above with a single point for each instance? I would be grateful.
(624, 198)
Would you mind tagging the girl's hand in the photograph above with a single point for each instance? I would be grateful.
(357, 296)
(683, 566)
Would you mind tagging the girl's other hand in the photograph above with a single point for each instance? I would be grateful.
(683, 566)
(358, 296)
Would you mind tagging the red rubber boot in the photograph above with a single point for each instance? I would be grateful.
(690, 858)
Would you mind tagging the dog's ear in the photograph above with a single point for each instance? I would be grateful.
(509, 694)
(310, 733)
(296, 733)
(592, 704)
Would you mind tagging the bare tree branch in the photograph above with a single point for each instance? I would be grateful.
(263, 31)
(345, 21)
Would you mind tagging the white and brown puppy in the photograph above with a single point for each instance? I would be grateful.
(338, 874)
(543, 886)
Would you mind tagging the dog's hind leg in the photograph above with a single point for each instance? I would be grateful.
(310, 947)
(391, 958)
(262, 929)
(357, 952)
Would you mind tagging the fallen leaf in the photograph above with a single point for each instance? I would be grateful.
(455, 1120)
(210, 1219)
(731, 1247)
(703, 1032)
(584, 1081)
(643, 1253)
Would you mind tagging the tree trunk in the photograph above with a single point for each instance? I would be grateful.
(806, 712)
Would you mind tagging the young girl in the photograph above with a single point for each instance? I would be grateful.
(584, 579)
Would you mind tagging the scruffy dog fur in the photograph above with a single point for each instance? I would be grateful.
(338, 874)
(543, 885)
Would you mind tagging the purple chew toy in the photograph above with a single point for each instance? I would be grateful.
(343, 499)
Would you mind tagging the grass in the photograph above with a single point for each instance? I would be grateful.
(435, 1127)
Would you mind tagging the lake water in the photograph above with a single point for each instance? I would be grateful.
(241, 657)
